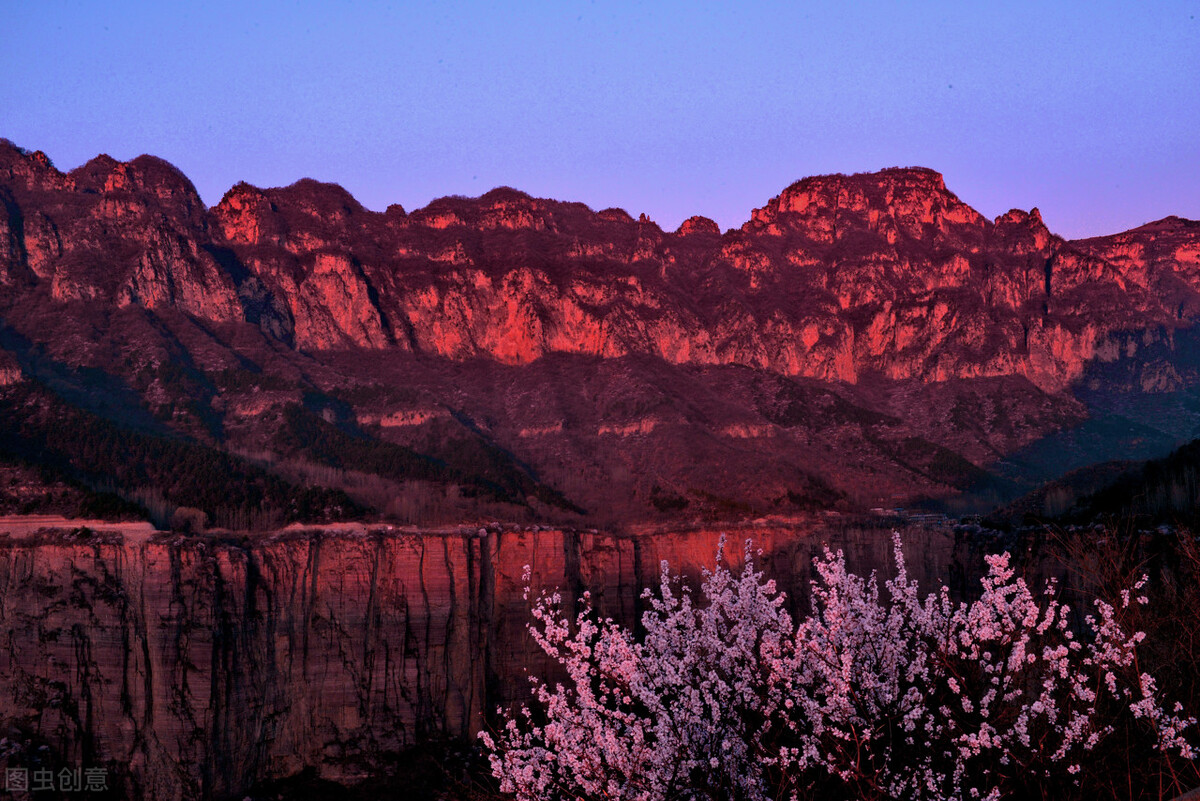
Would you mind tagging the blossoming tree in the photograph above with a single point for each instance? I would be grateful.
(877, 694)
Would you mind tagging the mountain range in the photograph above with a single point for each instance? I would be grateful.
(862, 341)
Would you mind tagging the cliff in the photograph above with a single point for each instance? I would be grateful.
(193, 667)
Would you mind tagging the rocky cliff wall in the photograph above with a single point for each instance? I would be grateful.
(192, 667)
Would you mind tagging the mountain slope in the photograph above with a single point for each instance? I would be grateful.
(861, 340)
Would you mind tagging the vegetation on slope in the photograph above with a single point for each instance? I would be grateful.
(161, 473)
(1154, 492)
(481, 469)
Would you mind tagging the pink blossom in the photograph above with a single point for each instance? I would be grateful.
(725, 694)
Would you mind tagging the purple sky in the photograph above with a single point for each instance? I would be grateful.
(1090, 111)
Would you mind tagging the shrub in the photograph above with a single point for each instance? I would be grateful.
(188, 520)
(875, 695)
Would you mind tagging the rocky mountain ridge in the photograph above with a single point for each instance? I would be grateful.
(858, 331)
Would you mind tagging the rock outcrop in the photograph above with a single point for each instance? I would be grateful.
(112, 232)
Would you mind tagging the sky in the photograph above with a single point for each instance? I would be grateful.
(1089, 111)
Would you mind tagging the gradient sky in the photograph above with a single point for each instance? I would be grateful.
(1090, 111)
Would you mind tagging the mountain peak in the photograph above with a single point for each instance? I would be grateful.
(1020, 217)
(29, 170)
(145, 174)
(614, 214)
(94, 174)
(698, 225)
(506, 194)
(1170, 223)
(889, 177)
(317, 198)
(897, 201)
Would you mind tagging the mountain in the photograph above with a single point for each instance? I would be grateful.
(862, 340)
(1154, 492)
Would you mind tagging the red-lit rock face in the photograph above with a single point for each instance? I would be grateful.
(240, 216)
(838, 278)
(885, 273)
(30, 171)
(111, 232)
(1162, 257)
(698, 225)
